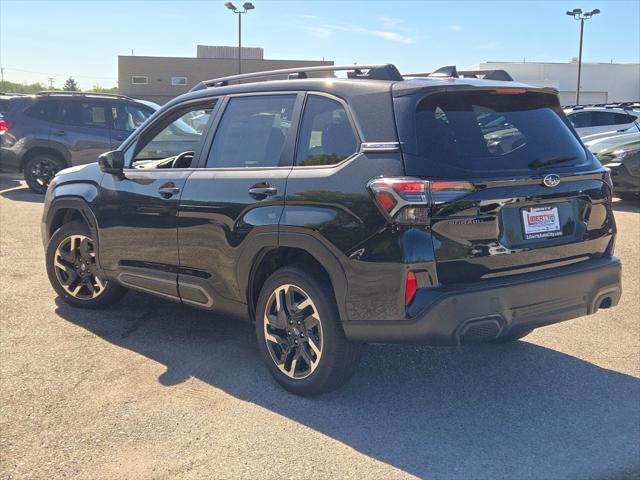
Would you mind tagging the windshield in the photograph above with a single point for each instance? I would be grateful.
(490, 133)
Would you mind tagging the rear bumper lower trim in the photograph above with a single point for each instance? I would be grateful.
(499, 307)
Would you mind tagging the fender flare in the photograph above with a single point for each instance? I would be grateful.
(265, 242)
(73, 203)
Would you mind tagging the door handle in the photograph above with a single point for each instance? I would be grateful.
(261, 191)
(59, 132)
(168, 190)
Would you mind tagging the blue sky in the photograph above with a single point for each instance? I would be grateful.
(41, 39)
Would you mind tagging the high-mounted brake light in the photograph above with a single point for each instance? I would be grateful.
(406, 200)
(4, 126)
(510, 91)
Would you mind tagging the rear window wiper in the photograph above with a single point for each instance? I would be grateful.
(538, 163)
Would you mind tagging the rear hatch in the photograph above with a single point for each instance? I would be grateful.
(513, 189)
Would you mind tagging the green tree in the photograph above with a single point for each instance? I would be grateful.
(71, 85)
(97, 88)
(12, 87)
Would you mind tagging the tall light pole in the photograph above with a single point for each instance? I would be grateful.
(246, 7)
(577, 14)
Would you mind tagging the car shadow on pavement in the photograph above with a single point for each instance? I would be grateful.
(13, 188)
(510, 411)
(626, 206)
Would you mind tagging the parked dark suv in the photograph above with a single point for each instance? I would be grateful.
(44, 133)
(333, 212)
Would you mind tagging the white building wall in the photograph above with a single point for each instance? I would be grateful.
(599, 82)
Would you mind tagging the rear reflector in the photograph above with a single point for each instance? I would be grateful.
(411, 287)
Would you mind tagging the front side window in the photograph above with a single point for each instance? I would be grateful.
(173, 144)
(85, 113)
(128, 117)
(253, 132)
(326, 136)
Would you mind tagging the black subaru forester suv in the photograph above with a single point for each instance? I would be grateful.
(334, 212)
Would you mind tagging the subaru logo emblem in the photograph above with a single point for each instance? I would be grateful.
(551, 180)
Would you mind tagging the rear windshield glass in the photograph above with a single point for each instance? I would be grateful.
(489, 132)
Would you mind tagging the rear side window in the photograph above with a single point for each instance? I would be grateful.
(608, 118)
(253, 132)
(482, 132)
(326, 136)
(128, 117)
(581, 120)
(44, 109)
(85, 113)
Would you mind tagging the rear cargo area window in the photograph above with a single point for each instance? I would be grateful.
(492, 132)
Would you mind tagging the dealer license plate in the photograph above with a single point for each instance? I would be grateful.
(541, 222)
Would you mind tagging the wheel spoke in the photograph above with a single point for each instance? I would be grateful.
(308, 359)
(311, 341)
(85, 248)
(294, 363)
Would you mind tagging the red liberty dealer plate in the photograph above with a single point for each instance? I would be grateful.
(541, 222)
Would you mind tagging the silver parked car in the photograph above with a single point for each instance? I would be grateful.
(591, 120)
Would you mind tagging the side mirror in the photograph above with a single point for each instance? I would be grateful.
(112, 162)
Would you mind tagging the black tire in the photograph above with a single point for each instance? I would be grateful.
(511, 337)
(70, 233)
(40, 169)
(338, 357)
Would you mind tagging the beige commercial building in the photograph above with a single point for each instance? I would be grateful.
(159, 79)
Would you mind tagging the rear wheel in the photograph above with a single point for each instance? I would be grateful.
(73, 271)
(40, 170)
(300, 335)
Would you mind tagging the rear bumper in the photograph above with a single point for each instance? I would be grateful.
(496, 308)
(9, 160)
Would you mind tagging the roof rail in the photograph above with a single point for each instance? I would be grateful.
(81, 94)
(373, 72)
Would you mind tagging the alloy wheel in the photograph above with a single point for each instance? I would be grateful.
(293, 331)
(76, 269)
(43, 172)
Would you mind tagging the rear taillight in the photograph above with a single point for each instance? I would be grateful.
(4, 126)
(408, 200)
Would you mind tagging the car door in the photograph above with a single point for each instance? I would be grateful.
(237, 196)
(138, 209)
(83, 125)
(127, 117)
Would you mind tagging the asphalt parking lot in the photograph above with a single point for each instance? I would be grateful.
(151, 389)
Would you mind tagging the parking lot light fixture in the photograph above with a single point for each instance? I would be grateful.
(245, 8)
(577, 14)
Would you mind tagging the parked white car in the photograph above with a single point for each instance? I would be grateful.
(591, 120)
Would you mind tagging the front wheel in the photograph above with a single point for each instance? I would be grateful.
(40, 170)
(300, 334)
(73, 271)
